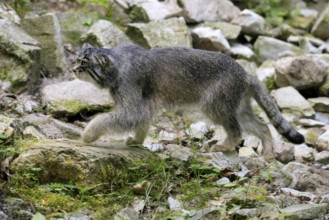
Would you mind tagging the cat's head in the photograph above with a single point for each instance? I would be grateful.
(91, 65)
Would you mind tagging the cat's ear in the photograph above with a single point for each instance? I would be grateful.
(86, 45)
(102, 59)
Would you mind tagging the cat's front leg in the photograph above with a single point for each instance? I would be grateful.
(95, 128)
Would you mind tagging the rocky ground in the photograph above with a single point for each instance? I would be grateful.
(48, 173)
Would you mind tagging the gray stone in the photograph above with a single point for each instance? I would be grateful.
(105, 34)
(312, 135)
(3, 216)
(292, 102)
(306, 211)
(69, 98)
(322, 117)
(19, 57)
(127, 214)
(321, 25)
(174, 204)
(209, 10)
(162, 33)
(266, 212)
(198, 130)
(322, 157)
(304, 153)
(223, 162)
(230, 31)
(311, 123)
(301, 72)
(7, 13)
(268, 48)
(325, 199)
(242, 51)
(150, 10)
(32, 132)
(247, 152)
(46, 29)
(6, 130)
(266, 71)
(284, 151)
(304, 196)
(320, 104)
(294, 171)
(179, 152)
(167, 137)
(249, 66)
(323, 142)
(207, 38)
(251, 22)
(223, 181)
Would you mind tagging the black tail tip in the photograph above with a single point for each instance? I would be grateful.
(297, 138)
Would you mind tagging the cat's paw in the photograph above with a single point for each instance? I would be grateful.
(131, 141)
(88, 137)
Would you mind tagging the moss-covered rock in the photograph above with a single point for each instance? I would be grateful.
(73, 161)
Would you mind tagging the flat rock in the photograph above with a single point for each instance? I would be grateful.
(66, 160)
(301, 72)
(209, 10)
(69, 98)
(162, 33)
(304, 196)
(307, 211)
(105, 34)
(292, 102)
(268, 48)
(320, 104)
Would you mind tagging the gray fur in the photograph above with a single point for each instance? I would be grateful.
(142, 81)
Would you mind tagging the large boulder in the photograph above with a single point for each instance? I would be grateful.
(67, 99)
(209, 10)
(46, 29)
(105, 34)
(162, 33)
(72, 161)
(301, 72)
(268, 48)
(19, 57)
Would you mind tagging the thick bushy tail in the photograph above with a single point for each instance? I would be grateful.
(272, 111)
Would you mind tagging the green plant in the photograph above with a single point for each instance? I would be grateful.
(274, 11)
(20, 6)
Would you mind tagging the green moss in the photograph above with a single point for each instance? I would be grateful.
(138, 14)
